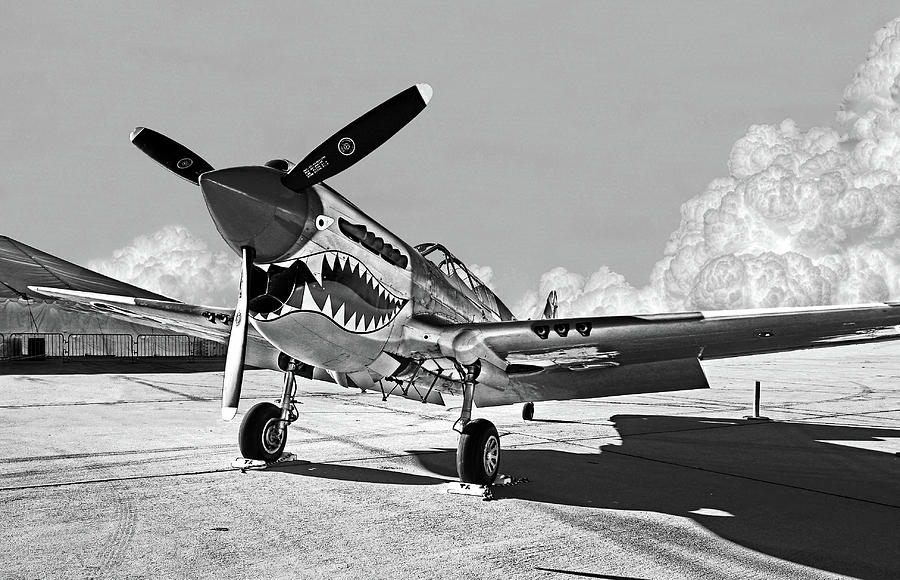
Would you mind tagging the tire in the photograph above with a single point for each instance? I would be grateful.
(528, 411)
(259, 437)
(478, 454)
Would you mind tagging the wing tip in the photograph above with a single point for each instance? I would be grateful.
(135, 133)
(426, 91)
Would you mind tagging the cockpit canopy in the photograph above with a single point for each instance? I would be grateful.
(455, 269)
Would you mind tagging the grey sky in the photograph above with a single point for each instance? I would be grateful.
(559, 133)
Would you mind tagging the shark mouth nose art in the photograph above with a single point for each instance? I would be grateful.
(333, 284)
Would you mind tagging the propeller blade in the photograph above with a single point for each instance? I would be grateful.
(170, 154)
(237, 344)
(358, 139)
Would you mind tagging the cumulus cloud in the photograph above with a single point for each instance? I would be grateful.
(483, 273)
(803, 218)
(175, 263)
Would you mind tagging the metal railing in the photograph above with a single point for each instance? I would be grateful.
(206, 348)
(118, 345)
(35, 345)
(19, 345)
(178, 345)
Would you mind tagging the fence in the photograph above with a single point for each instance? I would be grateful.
(205, 348)
(100, 345)
(52, 344)
(163, 345)
(35, 345)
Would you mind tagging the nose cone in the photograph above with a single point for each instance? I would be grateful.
(251, 207)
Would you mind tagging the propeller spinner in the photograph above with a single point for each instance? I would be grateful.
(337, 153)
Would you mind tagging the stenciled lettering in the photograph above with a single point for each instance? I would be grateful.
(316, 167)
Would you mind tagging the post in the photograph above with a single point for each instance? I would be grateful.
(756, 401)
(756, 416)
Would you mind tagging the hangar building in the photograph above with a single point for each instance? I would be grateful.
(31, 327)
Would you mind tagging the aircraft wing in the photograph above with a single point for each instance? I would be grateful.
(209, 322)
(201, 321)
(22, 266)
(570, 358)
(28, 273)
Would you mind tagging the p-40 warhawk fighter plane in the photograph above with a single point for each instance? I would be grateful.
(325, 287)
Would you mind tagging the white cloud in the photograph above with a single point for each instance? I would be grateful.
(803, 218)
(175, 263)
(483, 273)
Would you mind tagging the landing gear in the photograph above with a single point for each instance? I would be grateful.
(262, 435)
(478, 452)
(528, 411)
(263, 432)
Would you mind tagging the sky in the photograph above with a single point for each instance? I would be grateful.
(559, 135)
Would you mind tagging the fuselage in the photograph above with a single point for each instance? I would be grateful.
(332, 287)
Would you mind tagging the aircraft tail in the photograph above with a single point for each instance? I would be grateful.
(550, 309)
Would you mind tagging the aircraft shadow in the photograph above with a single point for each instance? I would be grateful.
(352, 473)
(775, 488)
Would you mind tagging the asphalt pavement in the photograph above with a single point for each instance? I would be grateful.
(125, 473)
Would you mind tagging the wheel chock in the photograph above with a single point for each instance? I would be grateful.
(460, 488)
(244, 464)
(482, 491)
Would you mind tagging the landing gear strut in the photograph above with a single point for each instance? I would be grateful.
(263, 432)
(478, 453)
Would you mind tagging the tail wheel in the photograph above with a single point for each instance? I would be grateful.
(478, 454)
(528, 411)
(262, 436)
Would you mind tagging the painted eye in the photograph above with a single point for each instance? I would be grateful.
(323, 221)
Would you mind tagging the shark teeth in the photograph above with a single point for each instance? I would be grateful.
(308, 303)
(314, 263)
(333, 284)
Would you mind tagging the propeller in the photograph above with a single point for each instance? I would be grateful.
(358, 139)
(237, 343)
(335, 154)
(170, 154)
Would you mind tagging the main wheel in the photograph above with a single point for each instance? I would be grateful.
(528, 411)
(261, 435)
(478, 454)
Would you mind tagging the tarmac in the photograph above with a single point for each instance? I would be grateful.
(125, 473)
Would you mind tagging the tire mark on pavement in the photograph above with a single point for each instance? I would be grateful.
(160, 388)
(115, 479)
(82, 403)
(112, 552)
(114, 453)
